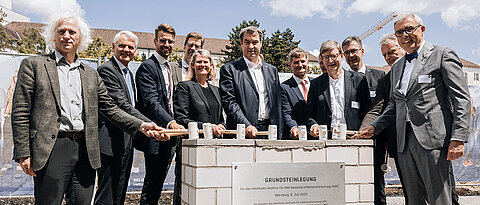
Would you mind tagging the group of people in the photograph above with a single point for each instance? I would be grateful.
(61, 140)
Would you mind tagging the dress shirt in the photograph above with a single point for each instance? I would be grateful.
(165, 71)
(299, 83)
(407, 73)
(184, 69)
(70, 94)
(337, 99)
(363, 69)
(128, 80)
(259, 80)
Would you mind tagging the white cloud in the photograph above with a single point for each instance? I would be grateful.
(45, 8)
(304, 8)
(455, 13)
(315, 52)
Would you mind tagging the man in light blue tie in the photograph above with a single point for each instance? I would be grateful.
(115, 145)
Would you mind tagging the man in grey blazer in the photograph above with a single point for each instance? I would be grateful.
(193, 42)
(430, 104)
(55, 116)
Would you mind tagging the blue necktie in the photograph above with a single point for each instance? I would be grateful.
(410, 57)
(128, 80)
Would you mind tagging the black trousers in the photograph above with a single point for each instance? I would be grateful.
(177, 190)
(68, 172)
(113, 178)
(156, 170)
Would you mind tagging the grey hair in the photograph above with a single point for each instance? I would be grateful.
(330, 45)
(389, 38)
(126, 33)
(49, 30)
(409, 15)
(251, 30)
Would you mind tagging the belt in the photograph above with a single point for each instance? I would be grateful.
(71, 135)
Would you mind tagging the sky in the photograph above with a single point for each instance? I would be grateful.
(453, 23)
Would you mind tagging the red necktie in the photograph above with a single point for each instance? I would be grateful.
(305, 90)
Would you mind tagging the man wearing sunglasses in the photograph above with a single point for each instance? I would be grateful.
(155, 86)
(430, 104)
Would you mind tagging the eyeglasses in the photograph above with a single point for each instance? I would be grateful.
(193, 45)
(409, 30)
(352, 51)
(163, 41)
(334, 56)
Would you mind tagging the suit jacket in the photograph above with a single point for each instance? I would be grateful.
(190, 104)
(373, 75)
(152, 101)
(319, 105)
(240, 96)
(176, 72)
(439, 109)
(112, 139)
(36, 110)
(294, 105)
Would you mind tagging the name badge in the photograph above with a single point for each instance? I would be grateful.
(373, 93)
(425, 79)
(355, 105)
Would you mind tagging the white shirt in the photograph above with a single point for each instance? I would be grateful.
(300, 86)
(337, 99)
(259, 81)
(184, 69)
(362, 69)
(70, 94)
(165, 71)
(407, 72)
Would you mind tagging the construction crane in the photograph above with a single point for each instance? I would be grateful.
(379, 26)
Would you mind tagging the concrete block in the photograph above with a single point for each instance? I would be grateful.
(201, 157)
(183, 173)
(362, 142)
(351, 193)
(289, 144)
(224, 196)
(349, 155)
(358, 174)
(188, 175)
(365, 155)
(213, 177)
(218, 142)
(203, 196)
(184, 192)
(315, 155)
(273, 155)
(184, 155)
(227, 155)
(367, 193)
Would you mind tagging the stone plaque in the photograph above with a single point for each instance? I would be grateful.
(318, 183)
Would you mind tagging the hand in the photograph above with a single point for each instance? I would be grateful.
(217, 129)
(251, 131)
(26, 164)
(294, 133)
(455, 150)
(147, 127)
(175, 126)
(365, 132)
(315, 131)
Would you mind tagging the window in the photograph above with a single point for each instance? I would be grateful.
(475, 77)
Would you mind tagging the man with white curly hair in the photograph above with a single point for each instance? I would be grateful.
(55, 116)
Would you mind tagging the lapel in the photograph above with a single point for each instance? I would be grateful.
(248, 76)
(51, 67)
(216, 93)
(161, 78)
(421, 60)
(266, 76)
(326, 92)
(348, 86)
(119, 74)
(199, 91)
(296, 89)
(85, 79)
(396, 76)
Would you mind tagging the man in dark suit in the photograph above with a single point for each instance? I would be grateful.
(337, 95)
(155, 87)
(431, 106)
(295, 93)
(353, 50)
(116, 145)
(193, 42)
(55, 116)
(250, 88)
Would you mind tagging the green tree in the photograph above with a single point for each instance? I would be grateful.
(5, 40)
(32, 42)
(233, 51)
(176, 55)
(97, 48)
(139, 58)
(277, 48)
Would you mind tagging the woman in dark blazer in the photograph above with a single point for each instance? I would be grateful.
(195, 99)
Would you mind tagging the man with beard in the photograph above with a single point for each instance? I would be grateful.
(155, 87)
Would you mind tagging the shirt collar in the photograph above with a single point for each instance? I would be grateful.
(120, 64)
(339, 77)
(298, 80)
(184, 63)
(250, 64)
(159, 58)
(363, 69)
(59, 56)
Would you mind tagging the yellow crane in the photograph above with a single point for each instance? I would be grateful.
(379, 26)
